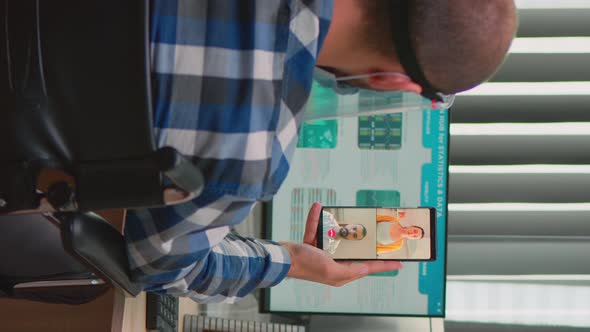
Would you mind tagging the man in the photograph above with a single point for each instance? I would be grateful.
(391, 235)
(230, 81)
(334, 232)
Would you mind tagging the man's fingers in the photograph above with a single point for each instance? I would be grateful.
(311, 225)
(350, 271)
(369, 267)
(383, 266)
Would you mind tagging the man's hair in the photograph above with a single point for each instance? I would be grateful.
(458, 43)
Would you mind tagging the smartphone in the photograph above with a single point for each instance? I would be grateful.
(377, 233)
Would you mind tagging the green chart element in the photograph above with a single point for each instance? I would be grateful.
(385, 198)
(321, 134)
(380, 132)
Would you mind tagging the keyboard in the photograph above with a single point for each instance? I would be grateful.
(161, 312)
(201, 323)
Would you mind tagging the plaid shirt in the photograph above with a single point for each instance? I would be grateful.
(230, 80)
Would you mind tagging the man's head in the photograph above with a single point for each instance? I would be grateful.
(457, 44)
(352, 231)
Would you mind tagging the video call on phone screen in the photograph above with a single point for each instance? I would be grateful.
(377, 233)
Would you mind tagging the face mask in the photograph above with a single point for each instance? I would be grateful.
(333, 97)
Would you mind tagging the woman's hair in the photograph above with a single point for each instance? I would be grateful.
(422, 229)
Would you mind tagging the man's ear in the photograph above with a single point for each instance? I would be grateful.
(395, 83)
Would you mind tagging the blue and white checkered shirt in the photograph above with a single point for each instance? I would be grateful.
(230, 80)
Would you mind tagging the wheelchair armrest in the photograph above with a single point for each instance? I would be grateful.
(99, 246)
(181, 171)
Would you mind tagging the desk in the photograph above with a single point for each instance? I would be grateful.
(110, 312)
(129, 313)
(28, 316)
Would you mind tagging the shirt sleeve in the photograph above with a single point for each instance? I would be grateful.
(188, 250)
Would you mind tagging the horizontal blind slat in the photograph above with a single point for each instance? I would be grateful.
(519, 223)
(533, 188)
(485, 109)
(556, 67)
(554, 22)
(518, 258)
(509, 150)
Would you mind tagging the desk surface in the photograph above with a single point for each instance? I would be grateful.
(132, 317)
(110, 312)
(28, 316)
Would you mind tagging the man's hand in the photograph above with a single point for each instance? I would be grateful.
(313, 264)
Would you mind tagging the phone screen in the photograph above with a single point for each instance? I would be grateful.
(360, 233)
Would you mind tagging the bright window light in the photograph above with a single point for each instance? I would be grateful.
(519, 207)
(530, 89)
(523, 303)
(521, 169)
(528, 277)
(513, 129)
(552, 4)
(551, 45)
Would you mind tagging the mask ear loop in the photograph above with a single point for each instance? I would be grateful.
(361, 76)
(446, 101)
(442, 101)
(340, 80)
